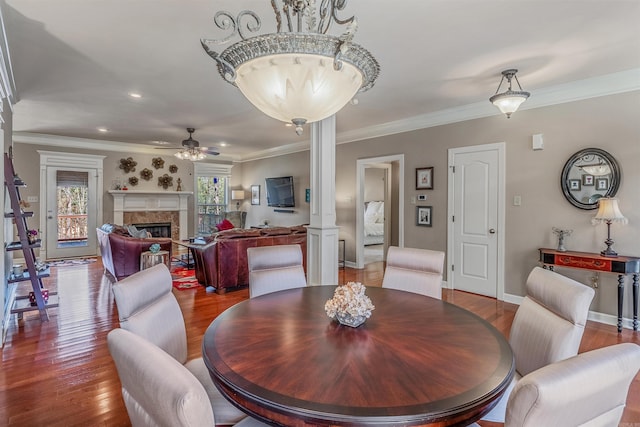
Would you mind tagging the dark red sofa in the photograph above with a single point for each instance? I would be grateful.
(222, 262)
(121, 252)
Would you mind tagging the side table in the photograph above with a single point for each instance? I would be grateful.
(149, 259)
(623, 265)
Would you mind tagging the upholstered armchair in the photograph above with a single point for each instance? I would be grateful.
(548, 326)
(148, 308)
(414, 270)
(275, 268)
(158, 390)
(590, 388)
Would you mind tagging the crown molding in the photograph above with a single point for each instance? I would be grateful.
(610, 84)
(92, 144)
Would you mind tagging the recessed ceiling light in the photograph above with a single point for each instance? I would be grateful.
(135, 95)
(288, 124)
(223, 144)
(160, 142)
(103, 130)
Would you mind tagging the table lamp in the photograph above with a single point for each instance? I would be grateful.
(237, 195)
(608, 212)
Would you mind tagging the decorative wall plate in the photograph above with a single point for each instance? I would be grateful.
(146, 174)
(157, 162)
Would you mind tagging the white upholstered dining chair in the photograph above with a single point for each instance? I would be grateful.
(157, 389)
(148, 308)
(548, 326)
(589, 389)
(275, 268)
(414, 270)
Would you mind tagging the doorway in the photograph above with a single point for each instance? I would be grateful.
(72, 205)
(391, 209)
(475, 241)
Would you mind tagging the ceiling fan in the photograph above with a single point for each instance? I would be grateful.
(191, 149)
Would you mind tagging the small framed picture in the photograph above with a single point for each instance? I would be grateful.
(602, 184)
(424, 178)
(587, 180)
(574, 185)
(423, 216)
(255, 194)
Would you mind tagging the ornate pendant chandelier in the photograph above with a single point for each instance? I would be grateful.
(299, 75)
(509, 101)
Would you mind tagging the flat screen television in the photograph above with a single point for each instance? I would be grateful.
(280, 192)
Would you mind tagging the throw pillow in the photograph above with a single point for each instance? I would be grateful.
(134, 232)
(224, 225)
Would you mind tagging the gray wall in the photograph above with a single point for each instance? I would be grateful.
(609, 123)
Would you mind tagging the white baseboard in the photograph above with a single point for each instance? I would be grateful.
(607, 319)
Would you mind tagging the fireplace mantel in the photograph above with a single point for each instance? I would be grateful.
(139, 200)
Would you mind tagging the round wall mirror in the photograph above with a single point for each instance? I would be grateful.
(589, 175)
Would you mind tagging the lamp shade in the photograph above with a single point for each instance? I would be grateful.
(608, 211)
(237, 195)
(509, 101)
(298, 86)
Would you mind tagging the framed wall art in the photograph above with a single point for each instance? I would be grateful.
(423, 216)
(424, 178)
(255, 194)
(574, 185)
(602, 184)
(587, 180)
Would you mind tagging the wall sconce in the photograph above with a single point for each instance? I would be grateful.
(509, 101)
(237, 195)
(608, 212)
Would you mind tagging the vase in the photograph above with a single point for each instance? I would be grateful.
(349, 320)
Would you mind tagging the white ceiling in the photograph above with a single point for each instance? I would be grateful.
(75, 61)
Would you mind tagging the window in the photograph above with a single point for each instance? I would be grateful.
(212, 195)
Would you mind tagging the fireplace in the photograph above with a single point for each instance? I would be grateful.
(153, 207)
(158, 229)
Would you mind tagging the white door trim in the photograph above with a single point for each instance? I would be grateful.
(501, 148)
(68, 160)
(361, 164)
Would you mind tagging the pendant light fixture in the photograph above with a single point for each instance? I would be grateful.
(509, 101)
(300, 74)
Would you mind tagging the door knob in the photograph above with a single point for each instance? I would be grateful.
(492, 231)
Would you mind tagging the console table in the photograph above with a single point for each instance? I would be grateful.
(623, 265)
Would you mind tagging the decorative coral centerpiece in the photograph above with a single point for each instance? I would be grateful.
(349, 305)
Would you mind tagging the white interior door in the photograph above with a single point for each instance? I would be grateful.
(71, 212)
(476, 213)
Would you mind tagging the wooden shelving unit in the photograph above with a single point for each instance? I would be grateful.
(20, 303)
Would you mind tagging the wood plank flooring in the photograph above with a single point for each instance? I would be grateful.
(60, 373)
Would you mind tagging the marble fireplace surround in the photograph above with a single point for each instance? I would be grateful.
(135, 207)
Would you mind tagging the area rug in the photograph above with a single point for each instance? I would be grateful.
(184, 278)
(70, 262)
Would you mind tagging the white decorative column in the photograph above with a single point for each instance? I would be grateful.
(322, 233)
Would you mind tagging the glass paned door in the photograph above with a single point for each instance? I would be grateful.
(71, 212)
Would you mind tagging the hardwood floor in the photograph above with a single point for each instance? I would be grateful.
(60, 373)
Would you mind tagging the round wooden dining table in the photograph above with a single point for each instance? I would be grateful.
(416, 361)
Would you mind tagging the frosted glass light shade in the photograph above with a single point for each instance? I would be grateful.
(509, 103)
(298, 86)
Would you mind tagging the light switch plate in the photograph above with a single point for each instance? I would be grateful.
(32, 199)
